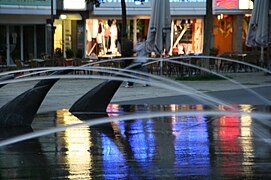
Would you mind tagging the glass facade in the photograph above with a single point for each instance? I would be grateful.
(14, 43)
(21, 42)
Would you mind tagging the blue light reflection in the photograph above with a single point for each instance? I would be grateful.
(114, 164)
(168, 143)
(191, 145)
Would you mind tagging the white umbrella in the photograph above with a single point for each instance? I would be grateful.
(158, 38)
(258, 27)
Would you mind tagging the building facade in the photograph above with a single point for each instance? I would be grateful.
(25, 28)
(231, 19)
(104, 25)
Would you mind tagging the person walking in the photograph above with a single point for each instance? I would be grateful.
(142, 55)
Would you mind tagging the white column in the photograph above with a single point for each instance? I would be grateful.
(85, 40)
(22, 42)
(64, 37)
(135, 32)
(171, 37)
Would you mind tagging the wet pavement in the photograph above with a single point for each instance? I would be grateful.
(173, 147)
(262, 96)
(67, 91)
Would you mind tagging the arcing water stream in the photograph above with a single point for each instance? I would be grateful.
(174, 141)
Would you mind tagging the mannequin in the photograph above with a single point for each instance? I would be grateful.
(107, 37)
(114, 37)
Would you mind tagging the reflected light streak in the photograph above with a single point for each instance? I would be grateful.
(246, 138)
(114, 164)
(141, 139)
(173, 108)
(113, 110)
(77, 141)
(197, 118)
(191, 138)
(225, 108)
(229, 146)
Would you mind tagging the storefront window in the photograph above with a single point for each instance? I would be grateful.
(187, 36)
(14, 43)
(223, 32)
(103, 37)
(80, 35)
(58, 39)
(141, 30)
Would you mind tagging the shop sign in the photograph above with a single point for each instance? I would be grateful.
(26, 2)
(183, 1)
(226, 4)
(74, 5)
(146, 1)
(233, 4)
(178, 7)
(118, 1)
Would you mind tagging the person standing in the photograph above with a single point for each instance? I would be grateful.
(142, 55)
(127, 52)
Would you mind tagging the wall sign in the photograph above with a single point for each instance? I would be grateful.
(74, 5)
(226, 4)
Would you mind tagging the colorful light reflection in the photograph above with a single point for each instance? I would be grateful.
(75, 142)
(142, 147)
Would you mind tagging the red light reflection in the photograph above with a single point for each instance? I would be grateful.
(228, 134)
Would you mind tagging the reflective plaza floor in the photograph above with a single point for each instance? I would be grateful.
(173, 147)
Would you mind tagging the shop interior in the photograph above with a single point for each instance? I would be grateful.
(187, 36)
(103, 35)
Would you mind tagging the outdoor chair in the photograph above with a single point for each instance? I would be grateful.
(227, 66)
(252, 58)
(20, 64)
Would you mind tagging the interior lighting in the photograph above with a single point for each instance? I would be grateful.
(138, 2)
(245, 4)
(63, 16)
(220, 16)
